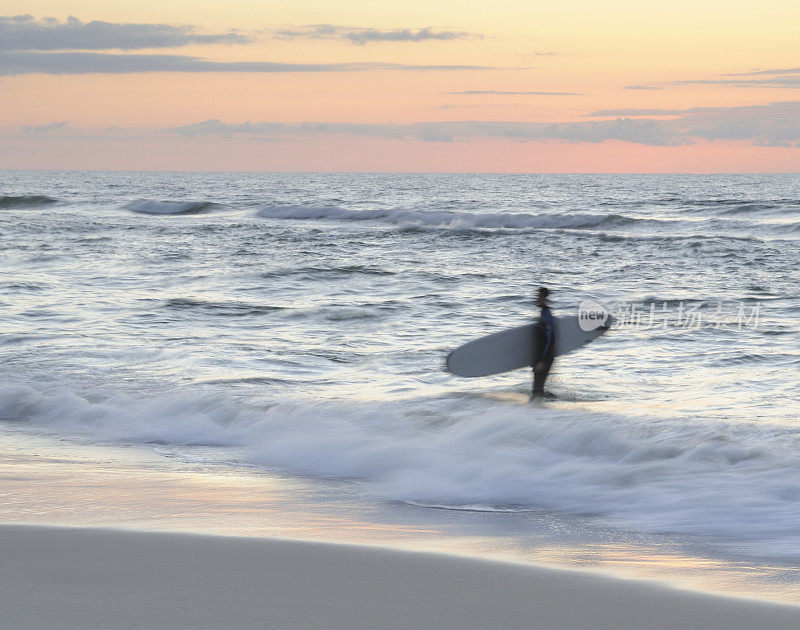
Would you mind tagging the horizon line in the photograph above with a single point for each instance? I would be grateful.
(360, 172)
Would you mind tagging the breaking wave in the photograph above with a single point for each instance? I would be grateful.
(454, 220)
(738, 481)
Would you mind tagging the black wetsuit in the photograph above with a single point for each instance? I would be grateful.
(545, 349)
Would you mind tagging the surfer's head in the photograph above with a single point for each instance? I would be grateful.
(541, 297)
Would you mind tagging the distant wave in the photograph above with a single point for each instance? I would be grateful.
(683, 238)
(749, 208)
(25, 201)
(240, 309)
(605, 224)
(333, 270)
(453, 220)
(708, 207)
(756, 203)
(151, 206)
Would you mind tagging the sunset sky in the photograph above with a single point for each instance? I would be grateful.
(510, 85)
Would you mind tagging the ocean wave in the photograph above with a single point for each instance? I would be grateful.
(25, 201)
(210, 307)
(441, 219)
(319, 271)
(698, 205)
(749, 208)
(688, 239)
(681, 476)
(151, 206)
(744, 203)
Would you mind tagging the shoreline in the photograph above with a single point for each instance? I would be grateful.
(97, 578)
(66, 484)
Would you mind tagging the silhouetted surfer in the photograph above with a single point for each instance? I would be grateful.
(545, 343)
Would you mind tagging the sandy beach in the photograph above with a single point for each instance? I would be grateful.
(85, 578)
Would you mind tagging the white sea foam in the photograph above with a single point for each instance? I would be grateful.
(681, 476)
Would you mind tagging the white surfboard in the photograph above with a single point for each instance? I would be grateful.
(513, 348)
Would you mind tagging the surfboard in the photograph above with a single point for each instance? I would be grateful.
(513, 348)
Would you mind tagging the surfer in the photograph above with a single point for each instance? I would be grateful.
(545, 348)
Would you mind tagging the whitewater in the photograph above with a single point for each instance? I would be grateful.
(296, 324)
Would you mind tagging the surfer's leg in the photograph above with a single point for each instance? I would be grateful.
(540, 377)
(538, 382)
(548, 364)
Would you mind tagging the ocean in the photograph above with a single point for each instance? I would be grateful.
(293, 327)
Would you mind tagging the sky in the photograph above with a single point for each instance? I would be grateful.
(435, 86)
